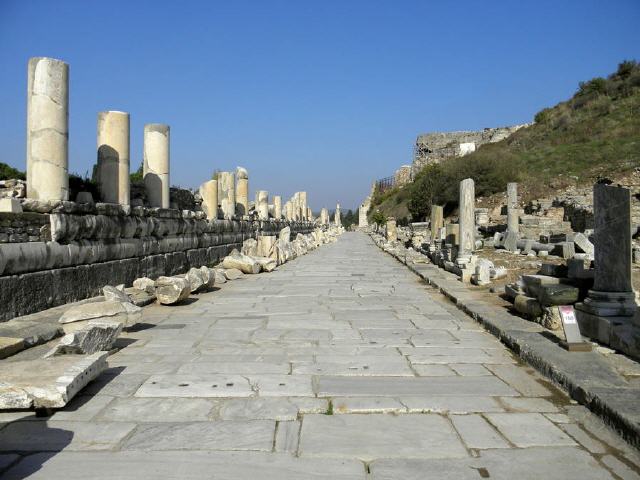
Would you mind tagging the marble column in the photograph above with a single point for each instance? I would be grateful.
(337, 219)
(467, 221)
(277, 207)
(262, 204)
(362, 216)
(437, 221)
(156, 164)
(227, 194)
(309, 214)
(242, 191)
(512, 207)
(209, 194)
(113, 157)
(612, 293)
(288, 210)
(47, 129)
(303, 206)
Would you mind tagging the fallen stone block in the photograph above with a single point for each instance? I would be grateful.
(95, 336)
(10, 205)
(220, 276)
(208, 276)
(125, 312)
(195, 279)
(145, 283)
(233, 274)
(140, 298)
(33, 332)
(285, 234)
(557, 295)
(250, 247)
(582, 242)
(553, 270)
(115, 294)
(171, 290)
(266, 264)
(498, 273)
(528, 306)
(244, 263)
(47, 383)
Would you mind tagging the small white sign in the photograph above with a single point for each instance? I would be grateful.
(568, 314)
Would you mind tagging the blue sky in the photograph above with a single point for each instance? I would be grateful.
(324, 96)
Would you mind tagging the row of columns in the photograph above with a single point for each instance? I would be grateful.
(48, 158)
(48, 143)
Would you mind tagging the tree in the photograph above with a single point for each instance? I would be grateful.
(425, 191)
(7, 172)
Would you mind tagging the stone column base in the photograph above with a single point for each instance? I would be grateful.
(609, 304)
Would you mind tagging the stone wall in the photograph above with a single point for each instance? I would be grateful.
(24, 227)
(435, 147)
(81, 248)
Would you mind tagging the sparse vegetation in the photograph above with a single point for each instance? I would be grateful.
(136, 177)
(594, 134)
(7, 172)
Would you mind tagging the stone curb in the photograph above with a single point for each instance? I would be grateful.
(586, 376)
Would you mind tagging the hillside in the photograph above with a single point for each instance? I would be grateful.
(594, 134)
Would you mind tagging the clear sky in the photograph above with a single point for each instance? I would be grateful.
(324, 96)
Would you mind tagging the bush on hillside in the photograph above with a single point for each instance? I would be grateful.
(7, 172)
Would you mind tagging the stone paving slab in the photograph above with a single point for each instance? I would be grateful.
(341, 364)
(375, 436)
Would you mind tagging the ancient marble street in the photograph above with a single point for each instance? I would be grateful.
(341, 364)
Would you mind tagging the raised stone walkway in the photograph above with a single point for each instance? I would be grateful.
(340, 365)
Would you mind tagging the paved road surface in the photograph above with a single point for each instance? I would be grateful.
(340, 365)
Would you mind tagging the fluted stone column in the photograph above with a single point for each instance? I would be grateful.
(209, 194)
(512, 207)
(437, 221)
(277, 207)
(227, 194)
(47, 129)
(467, 220)
(324, 216)
(242, 191)
(309, 214)
(113, 156)
(156, 164)
(337, 219)
(262, 204)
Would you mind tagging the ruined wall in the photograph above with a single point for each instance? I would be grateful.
(435, 147)
(85, 247)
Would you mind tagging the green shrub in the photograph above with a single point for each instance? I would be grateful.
(378, 218)
(7, 172)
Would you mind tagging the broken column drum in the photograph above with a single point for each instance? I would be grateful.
(242, 191)
(209, 194)
(467, 220)
(262, 204)
(113, 157)
(512, 207)
(437, 221)
(47, 129)
(156, 164)
(227, 194)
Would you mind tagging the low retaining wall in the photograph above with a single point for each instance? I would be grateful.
(88, 251)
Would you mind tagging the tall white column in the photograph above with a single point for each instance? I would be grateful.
(262, 204)
(209, 194)
(242, 191)
(512, 207)
(277, 207)
(156, 164)
(113, 156)
(47, 129)
(467, 220)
